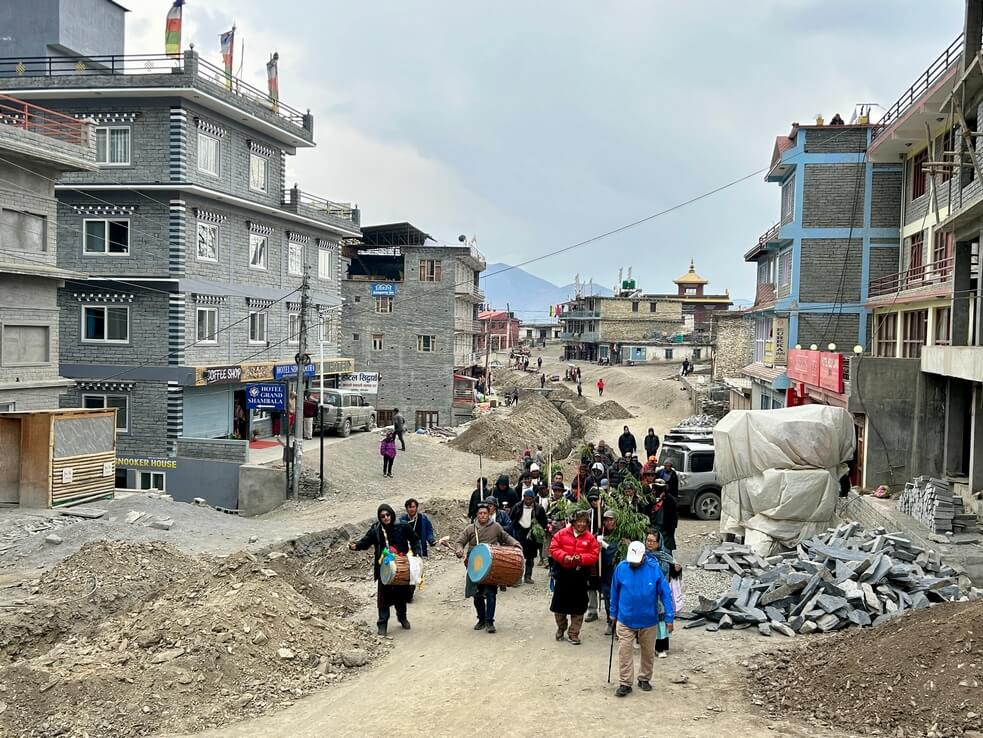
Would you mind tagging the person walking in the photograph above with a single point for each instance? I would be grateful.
(478, 496)
(388, 451)
(580, 389)
(655, 551)
(639, 593)
(421, 525)
(610, 553)
(503, 492)
(539, 362)
(671, 478)
(399, 539)
(542, 381)
(310, 410)
(497, 515)
(483, 530)
(664, 514)
(651, 444)
(627, 444)
(399, 425)
(600, 387)
(574, 552)
(524, 516)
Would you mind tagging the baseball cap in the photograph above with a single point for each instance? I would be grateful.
(636, 552)
(534, 467)
(557, 485)
(528, 493)
(610, 514)
(491, 501)
(599, 466)
(605, 484)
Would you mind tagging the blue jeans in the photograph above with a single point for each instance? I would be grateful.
(484, 602)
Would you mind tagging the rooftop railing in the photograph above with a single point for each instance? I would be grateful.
(345, 210)
(20, 114)
(938, 272)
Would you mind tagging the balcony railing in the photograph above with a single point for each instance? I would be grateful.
(295, 199)
(581, 315)
(929, 77)
(469, 290)
(466, 325)
(20, 114)
(938, 272)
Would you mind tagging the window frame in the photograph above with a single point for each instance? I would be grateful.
(787, 204)
(916, 246)
(105, 237)
(215, 229)
(266, 327)
(919, 179)
(294, 248)
(18, 323)
(914, 333)
(104, 396)
(378, 341)
(129, 145)
(423, 340)
(785, 268)
(942, 318)
(381, 300)
(431, 270)
(106, 308)
(152, 474)
(327, 275)
(214, 335)
(293, 332)
(29, 214)
(254, 239)
(668, 354)
(253, 156)
(886, 338)
(218, 154)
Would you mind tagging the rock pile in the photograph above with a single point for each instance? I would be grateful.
(931, 502)
(503, 436)
(608, 410)
(847, 576)
(698, 421)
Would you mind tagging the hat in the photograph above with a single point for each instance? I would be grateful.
(597, 465)
(605, 484)
(534, 467)
(528, 493)
(491, 501)
(609, 514)
(593, 495)
(636, 552)
(654, 458)
(660, 483)
(557, 485)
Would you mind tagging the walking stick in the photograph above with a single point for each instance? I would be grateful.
(611, 655)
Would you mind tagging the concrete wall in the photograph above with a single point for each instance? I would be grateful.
(261, 489)
(733, 338)
(216, 481)
(34, 27)
(824, 328)
(213, 449)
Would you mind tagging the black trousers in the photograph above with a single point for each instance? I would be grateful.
(387, 464)
(530, 548)
(402, 443)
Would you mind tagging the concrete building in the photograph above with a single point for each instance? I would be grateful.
(498, 328)
(837, 234)
(540, 332)
(36, 146)
(595, 328)
(411, 313)
(195, 250)
(698, 306)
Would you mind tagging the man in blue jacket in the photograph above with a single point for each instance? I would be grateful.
(637, 587)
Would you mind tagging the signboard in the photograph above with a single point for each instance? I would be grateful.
(146, 463)
(779, 340)
(831, 372)
(289, 371)
(266, 396)
(383, 289)
(803, 366)
(367, 382)
(222, 375)
(769, 355)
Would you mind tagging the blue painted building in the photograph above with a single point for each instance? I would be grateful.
(838, 230)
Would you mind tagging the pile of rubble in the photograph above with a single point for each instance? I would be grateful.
(608, 410)
(931, 502)
(503, 436)
(698, 421)
(846, 576)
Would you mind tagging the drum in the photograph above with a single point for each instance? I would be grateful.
(395, 571)
(498, 565)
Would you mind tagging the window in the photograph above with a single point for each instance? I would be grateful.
(295, 259)
(765, 402)
(152, 480)
(257, 327)
(377, 342)
(945, 142)
(426, 344)
(325, 264)
(257, 251)
(691, 291)
(257, 172)
(427, 418)
(120, 402)
(25, 345)
(696, 354)
(788, 199)
(326, 329)
(916, 250)
(354, 336)
(653, 307)
(430, 270)
(383, 304)
(915, 325)
(941, 331)
(103, 323)
(206, 325)
(110, 237)
(634, 307)
(113, 145)
(293, 328)
(121, 478)
(887, 335)
(207, 242)
(918, 177)
(942, 254)
(785, 268)
(9, 407)
(668, 353)
(208, 154)
(701, 462)
(22, 232)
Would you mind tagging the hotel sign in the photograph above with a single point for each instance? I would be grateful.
(265, 371)
(779, 340)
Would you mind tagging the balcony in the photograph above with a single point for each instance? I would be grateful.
(585, 337)
(469, 291)
(929, 280)
(342, 214)
(157, 75)
(582, 315)
(466, 325)
(467, 358)
(771, 237)
(39, 132)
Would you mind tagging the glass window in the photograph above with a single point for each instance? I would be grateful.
(701, 461)
(293, 328)
(383, 304)
(331, 399)
(152, 480)
(325, 264)
(110, 324)
(430, 270)
(295, 259)
(110, 237)
(21, 231)
(941, 330)
(377, 342)
(426, 344)
(113, 145)
(207, 242)
(887, 335)
(257, 251)
(8, 407)
(788, 199)
(208, 153)
(257, 327)
(673, 454)
(206, 321)
(327, 330)
(634, 307)
(120, 402)
(765, 402)
(668, 353)
(785, 268)
(257, 172)
(915, 328)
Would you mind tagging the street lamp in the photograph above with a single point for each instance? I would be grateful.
(814, 347)
(832, 347)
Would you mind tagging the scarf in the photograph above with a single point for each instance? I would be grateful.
(664, 559)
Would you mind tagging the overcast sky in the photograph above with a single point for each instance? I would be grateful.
(537, 125)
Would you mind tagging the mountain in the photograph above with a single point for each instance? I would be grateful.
(525, 294)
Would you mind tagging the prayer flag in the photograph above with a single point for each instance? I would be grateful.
(172, 30)
(273, 80)
(228, 47)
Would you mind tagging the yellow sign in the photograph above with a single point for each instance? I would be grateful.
(779, 340)
(260, 372)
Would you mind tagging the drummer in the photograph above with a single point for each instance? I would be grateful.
(483, 530)
(399, 539)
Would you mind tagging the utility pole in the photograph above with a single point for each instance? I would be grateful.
(487, 348)
(301, 360)
(508, 326)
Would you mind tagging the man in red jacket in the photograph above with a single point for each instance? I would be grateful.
(574, 552)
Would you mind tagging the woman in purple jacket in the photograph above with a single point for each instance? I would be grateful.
(388, 450)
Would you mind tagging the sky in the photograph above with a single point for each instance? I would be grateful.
(534, 126)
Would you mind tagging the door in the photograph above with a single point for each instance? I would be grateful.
(10, 460)
(427, 418)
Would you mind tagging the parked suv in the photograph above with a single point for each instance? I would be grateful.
(344, 410)
(699, 491)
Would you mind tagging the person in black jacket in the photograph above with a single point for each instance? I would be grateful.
(627, 443)
(477, 496)
(664, 514)
(523, 517)
(668, 474)
(504, 494)
(400, 539)
(651, 444)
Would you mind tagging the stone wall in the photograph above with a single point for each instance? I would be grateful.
(733, 339)
(833, 196)
(831, 270)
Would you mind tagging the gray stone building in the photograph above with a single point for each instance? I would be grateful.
(36, 146)
(195, 252)
(411, 313)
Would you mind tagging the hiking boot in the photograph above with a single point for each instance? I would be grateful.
(405, 623)
(382, 630)
(609, 630)
(490, 628)
(559, 635)
(591, 617)
(574, 641)
(622, 691)
(528, 579)
(480, 625)
(643, 684)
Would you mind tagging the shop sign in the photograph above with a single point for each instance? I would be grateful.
(769, 354)
(383, 289)
(289, 371)
(147, 463)
(779, 333)
(222, 375)
(803, 366)
(367, 382)
(831, 372)
(266, 396)
(337, 366)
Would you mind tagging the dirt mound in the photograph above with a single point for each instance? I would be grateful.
(609, 410)
(916, 675)
(503, 435)
(161, 641)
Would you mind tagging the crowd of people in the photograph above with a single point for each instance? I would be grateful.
(606, 540)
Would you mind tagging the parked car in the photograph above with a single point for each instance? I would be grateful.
(496, 364)
(344, 410)
(699, 490)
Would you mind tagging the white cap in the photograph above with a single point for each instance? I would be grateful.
(636, 552)
(598, 465)
(534, 467)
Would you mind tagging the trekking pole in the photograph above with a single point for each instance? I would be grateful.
(611, 655)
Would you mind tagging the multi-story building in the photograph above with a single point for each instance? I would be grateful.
(540, 333)
(195, 252)
(595, 328)
(698, 305)
(837, 235)
(36, 145)
(410, 313)
(499, 328)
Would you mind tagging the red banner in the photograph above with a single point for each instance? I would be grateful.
(803, 366)
(831, 372)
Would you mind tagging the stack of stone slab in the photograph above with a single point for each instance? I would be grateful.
(844, 577)
(930, 501)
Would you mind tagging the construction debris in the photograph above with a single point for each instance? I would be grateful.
(698, 421)
(931, 502)
(844, 577)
